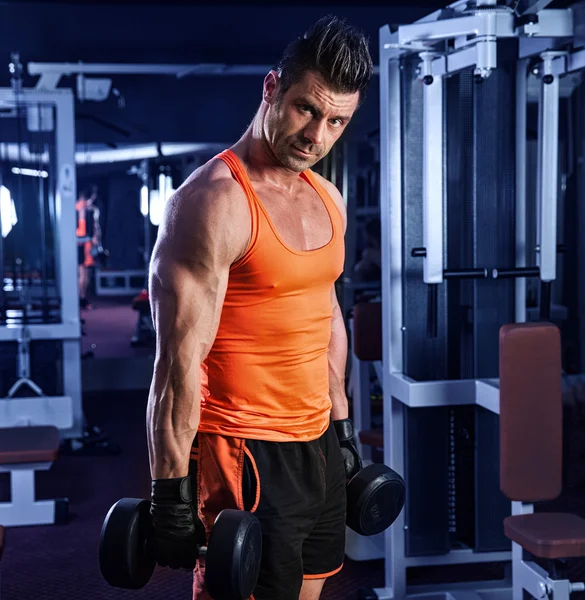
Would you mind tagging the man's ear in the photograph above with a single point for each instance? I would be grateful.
(271, 87)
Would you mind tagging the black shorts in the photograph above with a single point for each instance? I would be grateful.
(80, 254)
(297, 492)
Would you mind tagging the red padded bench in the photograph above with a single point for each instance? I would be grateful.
(367, 347)
(372, 437)
(24, 450)
(531, 433)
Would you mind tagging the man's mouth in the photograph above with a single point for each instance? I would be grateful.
(302, 152)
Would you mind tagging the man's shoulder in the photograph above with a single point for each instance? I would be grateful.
(332, 190)
(208, 206)
(214, 173)
(329, 187)
(210, 186)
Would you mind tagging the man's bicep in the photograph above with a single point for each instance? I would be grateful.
(189, 272)
(334, 301)
(186, 308)
(186, 299)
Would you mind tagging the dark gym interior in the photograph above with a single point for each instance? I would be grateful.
(461, 288)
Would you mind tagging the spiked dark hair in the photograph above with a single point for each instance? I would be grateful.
(333, 49)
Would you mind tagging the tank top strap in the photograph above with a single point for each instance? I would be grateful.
(240, 175)
(238, 172)
(332, 208)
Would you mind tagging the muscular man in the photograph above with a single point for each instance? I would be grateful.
(251, 343)
(88, 235)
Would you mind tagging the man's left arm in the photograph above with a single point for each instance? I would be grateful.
(97, 232)
(337, 357)
(343, 425)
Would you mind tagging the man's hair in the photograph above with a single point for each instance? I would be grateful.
(333, 49)
(86, 192)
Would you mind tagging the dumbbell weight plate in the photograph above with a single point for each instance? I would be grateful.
(233, 556)
(375, 497)
(123, 557)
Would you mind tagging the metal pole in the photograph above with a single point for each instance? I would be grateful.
(20, 235)
(548, 156)
(334, 159)
(433, 150)
(2, 294)
(345, 191)
(66, 263)
(51, 193)
(521, 101)
(60, 69)
(392, 307)
(348, 191)
(147, 242)
(471, 273)
(43, 240)
(144, 170)
(432, 172)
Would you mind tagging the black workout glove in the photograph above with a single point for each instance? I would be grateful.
(174, 521)
(351, 457)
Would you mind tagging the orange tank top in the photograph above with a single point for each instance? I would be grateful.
(81, 224)
(266, 376)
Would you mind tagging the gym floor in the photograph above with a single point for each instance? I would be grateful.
(60, 561)
(109, 327)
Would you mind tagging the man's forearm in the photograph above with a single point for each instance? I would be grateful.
(337, 364)
(172, 419)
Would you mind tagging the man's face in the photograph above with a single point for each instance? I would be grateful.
(90, 198)
(302, 125)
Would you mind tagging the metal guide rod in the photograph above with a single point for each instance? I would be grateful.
(2, 293)
(548, 156)
(39, 68)
(432, 171)
(520, 209)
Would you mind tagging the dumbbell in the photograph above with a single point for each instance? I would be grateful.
(375, 498)
(232, 555)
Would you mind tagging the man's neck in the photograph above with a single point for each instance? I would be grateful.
(254, 150)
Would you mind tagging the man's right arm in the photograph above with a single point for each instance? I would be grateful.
(204, 231)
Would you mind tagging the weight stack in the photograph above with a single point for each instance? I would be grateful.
(425, 359)
(452, 453)
(481, 233)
